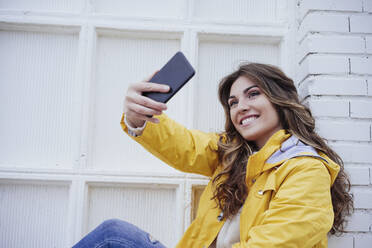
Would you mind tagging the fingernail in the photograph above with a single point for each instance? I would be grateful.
(156, 121)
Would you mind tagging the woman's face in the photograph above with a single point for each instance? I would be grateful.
(251, 112)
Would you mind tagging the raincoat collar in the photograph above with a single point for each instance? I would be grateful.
(279, 148)
(257, 160)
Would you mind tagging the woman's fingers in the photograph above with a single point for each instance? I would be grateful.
(148, 78)
(148, 102)
(138, 107)
(150, 87)
(135, 95)
(143, 110)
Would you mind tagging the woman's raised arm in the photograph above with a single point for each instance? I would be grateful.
(186, 150)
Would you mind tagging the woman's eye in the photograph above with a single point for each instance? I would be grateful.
(232, 103)
(253, 93)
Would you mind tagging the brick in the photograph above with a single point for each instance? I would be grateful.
(337, 86)
(355, 153)
(359, 222)
(314, 22)
(369, 44)
(340, 5)
(367, 5)
(361, 65)
(362, 198)
(361, 109)
(345, 5)
(331, 44)
(363, 240)
(323, 64)
(344, 241)
(358, 175)
(361, 24)
(330, 108)
(352, 131)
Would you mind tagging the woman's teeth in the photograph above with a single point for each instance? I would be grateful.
(249, 120)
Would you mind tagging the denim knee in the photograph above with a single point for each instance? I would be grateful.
(111, 223)
(122, 230)
(118, 233)
(114, 227)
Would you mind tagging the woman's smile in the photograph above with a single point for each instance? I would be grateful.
(247, 120)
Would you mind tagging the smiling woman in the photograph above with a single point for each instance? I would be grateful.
(270, 97)
(274, 181)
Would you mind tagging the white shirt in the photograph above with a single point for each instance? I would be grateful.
(229, 233)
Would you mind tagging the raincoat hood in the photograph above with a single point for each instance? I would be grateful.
(293, 147)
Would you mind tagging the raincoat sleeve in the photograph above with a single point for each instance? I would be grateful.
(186, 150)
(300, 214)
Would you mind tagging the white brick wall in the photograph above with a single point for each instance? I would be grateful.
(331, 44)
(361, 108)
(363, 241)
(354, 152)
(361, 24)
(332, 108)
(330, 85)
(360, 221)
(343, 130)
(334, 75)
(369, 44)
(338, 5)
(345, 241)
(358, 175)
(362, 198)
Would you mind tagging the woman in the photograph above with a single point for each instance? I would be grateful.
(274, 181)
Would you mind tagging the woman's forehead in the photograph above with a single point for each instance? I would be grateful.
(240, 85)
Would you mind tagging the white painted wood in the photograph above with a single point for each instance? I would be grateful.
(87, 45)
(153, 208)
(32, 213)
(142, 8)
(40, 5)
(39, 97)
(75, 211)
(263, 11)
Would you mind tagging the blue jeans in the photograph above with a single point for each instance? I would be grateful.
(118, 234)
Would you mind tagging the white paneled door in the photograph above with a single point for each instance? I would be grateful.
(65, 163)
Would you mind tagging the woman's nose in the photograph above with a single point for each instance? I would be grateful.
(243, 106)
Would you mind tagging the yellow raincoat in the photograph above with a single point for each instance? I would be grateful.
(289, 202)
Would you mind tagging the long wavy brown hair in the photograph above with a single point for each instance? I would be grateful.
(295, 118)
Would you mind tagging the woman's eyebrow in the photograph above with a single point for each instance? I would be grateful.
(244, 91)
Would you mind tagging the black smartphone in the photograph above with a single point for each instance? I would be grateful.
(175, 73)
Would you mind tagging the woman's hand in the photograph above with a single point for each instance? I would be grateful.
(139, 108)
